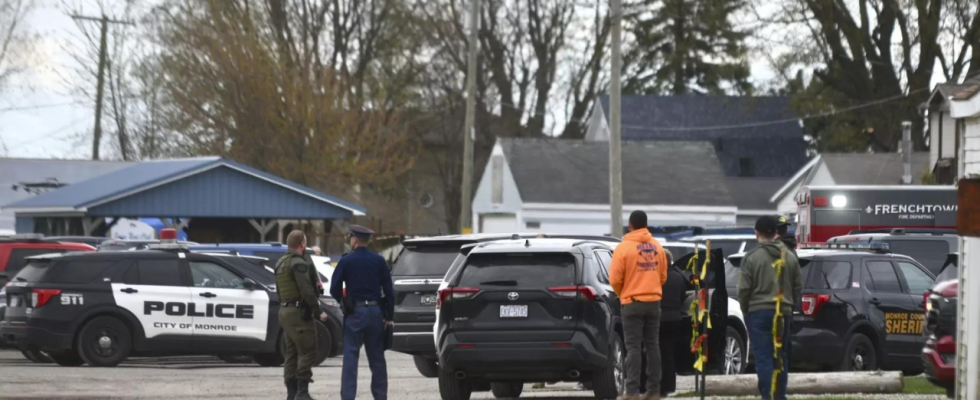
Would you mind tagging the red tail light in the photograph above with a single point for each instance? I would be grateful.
(448, 294)
(812, 302)
(40, 297)
(950, 290)
(582, 292)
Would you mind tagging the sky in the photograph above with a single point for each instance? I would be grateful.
(39, 118)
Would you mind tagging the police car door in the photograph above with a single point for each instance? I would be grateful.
(152, 289)
(223, 306)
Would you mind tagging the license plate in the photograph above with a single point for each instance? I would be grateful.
(518, 311)
(428, 300)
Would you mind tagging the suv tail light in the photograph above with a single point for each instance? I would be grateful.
(950, 290)
(448, 294)
(812, 302)
(581, 292)
(40, 297)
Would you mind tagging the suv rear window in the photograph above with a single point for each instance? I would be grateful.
(930, 253)
(830, 275)
(425, 260)
(17, 258)
(33, 271)
(518, 270)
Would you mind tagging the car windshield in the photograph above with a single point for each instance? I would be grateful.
(33, 271)
(255, 268)
(425, 260)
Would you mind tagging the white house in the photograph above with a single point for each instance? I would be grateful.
(964, 108)
(561, 186)
(848, 169)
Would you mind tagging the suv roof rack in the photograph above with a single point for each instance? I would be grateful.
(873, 247)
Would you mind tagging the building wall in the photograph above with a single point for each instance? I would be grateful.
(948, 138)
(593, 219)
(483, 203)
(934, 118)
(969, 340)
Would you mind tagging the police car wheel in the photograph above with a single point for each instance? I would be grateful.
(860, 354)
(451, 388)
(324, 345)
(36, 356)
(104, 342)
(272, 359)
(507, 390)
(67, 359)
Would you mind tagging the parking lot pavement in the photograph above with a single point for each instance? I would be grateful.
(208, 377)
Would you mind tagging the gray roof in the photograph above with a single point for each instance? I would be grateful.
(754, 193)
(873, 169)
(137, 179)
(654, 173)
(764, 129)
(17, 172)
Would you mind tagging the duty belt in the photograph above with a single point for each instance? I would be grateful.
(368, 303)
(297, 303)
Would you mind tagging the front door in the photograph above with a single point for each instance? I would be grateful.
(152, 290)
(223, 308)
(893, 310)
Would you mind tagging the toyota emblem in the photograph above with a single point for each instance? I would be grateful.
(512, 296)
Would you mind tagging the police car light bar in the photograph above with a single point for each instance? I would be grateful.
(878, 247)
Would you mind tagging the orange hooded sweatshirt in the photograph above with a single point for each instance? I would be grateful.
(639, 268)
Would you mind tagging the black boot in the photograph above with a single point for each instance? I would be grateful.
(291, 389)
(303, 390)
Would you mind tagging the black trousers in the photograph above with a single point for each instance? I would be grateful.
(669, 336)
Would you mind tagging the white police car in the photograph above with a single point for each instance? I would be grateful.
(100, 308)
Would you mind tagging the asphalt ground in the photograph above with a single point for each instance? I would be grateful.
(211, 378)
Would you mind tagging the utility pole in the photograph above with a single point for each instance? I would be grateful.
(615, 124)
(465, 218)
(99, 91)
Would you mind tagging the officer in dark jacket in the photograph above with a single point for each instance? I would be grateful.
(782, 230)
(296, 283)
(671, 324)
(366, 314)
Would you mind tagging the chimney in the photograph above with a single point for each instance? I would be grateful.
(906, 150)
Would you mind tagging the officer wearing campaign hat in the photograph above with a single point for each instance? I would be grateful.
(782, 232)
(366, 312)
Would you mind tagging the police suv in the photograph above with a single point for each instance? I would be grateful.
(101, 307)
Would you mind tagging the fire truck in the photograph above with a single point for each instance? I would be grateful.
(829, 211)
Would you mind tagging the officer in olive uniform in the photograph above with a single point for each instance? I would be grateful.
(366, 312)
(296, 283)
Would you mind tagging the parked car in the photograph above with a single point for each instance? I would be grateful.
(861, 308)
(927, 246)
(14, 251)
(418, 272)
(729, 244)
(506, 297)
(100, 308)
(939, 353)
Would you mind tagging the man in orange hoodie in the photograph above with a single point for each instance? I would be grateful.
(637, 274)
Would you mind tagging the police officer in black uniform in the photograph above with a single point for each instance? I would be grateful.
(366, 312)
(782, 233)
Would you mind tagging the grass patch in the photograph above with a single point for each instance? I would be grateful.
(919, 385)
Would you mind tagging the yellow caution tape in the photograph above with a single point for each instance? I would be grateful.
(777, 341)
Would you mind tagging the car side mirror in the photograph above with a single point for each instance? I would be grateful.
(250, 284)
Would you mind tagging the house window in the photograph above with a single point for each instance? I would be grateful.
(497, 180)
(745, 167)
(532, 225)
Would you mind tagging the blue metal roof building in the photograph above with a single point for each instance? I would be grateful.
(209, 190)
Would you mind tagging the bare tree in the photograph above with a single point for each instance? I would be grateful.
(16, 40)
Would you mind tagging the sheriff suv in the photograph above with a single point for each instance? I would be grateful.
(101, 307)
(861, 309)
(927, 246)
(418, 273)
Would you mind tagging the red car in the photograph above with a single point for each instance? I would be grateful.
(939, 353)
(14, 250)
